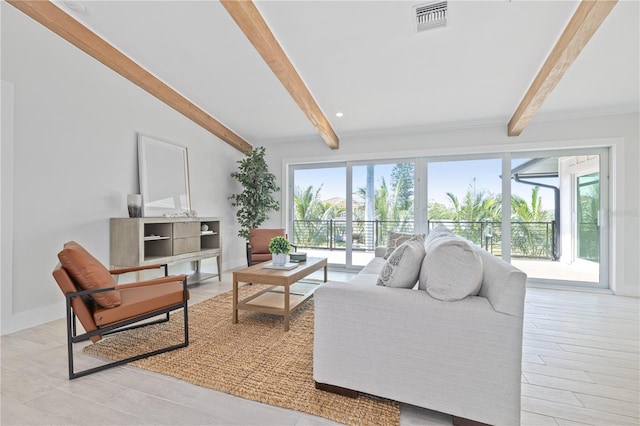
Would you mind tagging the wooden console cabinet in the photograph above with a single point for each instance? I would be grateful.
(149, 240)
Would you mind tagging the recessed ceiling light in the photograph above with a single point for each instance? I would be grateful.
(339, 114)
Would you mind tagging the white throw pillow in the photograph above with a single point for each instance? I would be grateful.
(403, 266)
(395, 239)
(451, 270)
(436, 233)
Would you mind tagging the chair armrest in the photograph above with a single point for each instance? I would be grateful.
(73, 294)
(119, 271)
(154, 281)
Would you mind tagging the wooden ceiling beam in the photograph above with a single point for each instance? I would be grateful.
(55, 19)
(585, 22)
(248, 18)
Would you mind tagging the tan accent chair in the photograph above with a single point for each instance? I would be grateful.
(258, 245)
(103, 307)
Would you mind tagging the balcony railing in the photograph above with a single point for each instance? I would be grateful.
(535, 240)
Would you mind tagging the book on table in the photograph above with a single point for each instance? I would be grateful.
(286, 266)
(298, 256)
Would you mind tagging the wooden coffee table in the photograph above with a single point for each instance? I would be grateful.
(276, 300)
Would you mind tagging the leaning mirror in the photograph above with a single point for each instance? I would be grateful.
(164, 178)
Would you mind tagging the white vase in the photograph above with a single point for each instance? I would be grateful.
(279, 259)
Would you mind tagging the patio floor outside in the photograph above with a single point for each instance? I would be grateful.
(581, 270)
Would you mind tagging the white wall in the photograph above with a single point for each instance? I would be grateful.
(620, 132)
(74, 161)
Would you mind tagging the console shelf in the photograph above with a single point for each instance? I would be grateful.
(149, 240)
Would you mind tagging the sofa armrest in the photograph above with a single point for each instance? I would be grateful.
(380, 251)
(503, 285)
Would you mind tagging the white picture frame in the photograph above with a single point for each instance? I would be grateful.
(164, 178)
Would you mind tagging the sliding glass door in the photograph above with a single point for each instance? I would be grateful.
(466, 197)
(344, 211)
(318, 211)
(540, 211)
(382, 201)
(588, 217)
(556, 209)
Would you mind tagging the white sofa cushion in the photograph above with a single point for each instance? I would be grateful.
(403, 266)
(373, 267)
(395, 239)
(451, 269)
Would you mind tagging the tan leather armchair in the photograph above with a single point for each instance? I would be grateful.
(258, 245)
(103, 307)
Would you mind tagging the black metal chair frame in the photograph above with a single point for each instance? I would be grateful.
(73, 337)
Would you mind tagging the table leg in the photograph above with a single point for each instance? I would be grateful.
(286, 307)
(325, 273)
(235, 299)
(219, 262)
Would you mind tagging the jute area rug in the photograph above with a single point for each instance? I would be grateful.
(254, 359)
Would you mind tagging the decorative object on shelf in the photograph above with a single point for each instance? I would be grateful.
(204, 227)
(134, 205)
(190, 213)
(279, 248)
(256, 199)
(164, 178)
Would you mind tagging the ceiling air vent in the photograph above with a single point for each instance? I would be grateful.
(431, 15)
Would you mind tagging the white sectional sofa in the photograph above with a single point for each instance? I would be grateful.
(461, 357)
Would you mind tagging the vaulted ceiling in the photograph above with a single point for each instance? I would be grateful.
(365, 60)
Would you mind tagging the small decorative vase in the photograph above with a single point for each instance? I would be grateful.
(134, 205)
(279, 259)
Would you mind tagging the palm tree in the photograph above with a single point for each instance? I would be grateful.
(390, 211)
(311, 216)
(527, 217)
(402, 179)
(477, 209)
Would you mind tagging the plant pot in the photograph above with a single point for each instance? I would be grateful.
(279, 259)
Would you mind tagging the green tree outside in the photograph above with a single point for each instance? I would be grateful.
(476, 214)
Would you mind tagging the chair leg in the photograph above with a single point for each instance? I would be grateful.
(186, 316)
(71, 333)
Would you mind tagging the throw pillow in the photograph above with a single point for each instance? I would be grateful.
(395, 239)
(451, 270)
(438, 232)
(403, 266)
(89, 274)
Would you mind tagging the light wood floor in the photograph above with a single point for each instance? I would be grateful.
(580, 366)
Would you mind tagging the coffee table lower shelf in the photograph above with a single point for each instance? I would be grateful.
(272, 301)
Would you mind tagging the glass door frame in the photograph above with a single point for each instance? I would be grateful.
(605, 190)
(290, 211)
(348, 165)
(350, 190)
(421, 164)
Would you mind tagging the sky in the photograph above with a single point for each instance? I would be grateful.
(443, 177)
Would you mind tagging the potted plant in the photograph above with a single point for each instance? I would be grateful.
(279, 248)
(256, 199)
